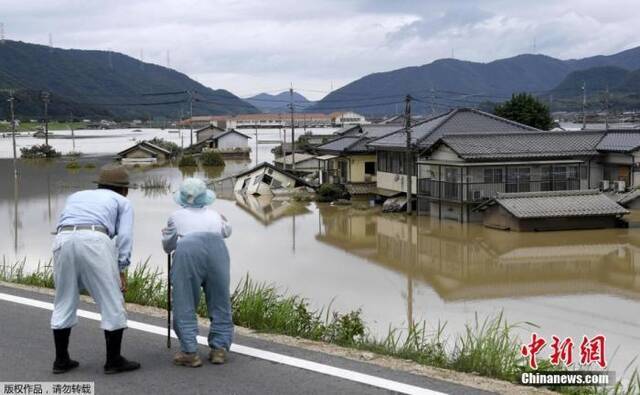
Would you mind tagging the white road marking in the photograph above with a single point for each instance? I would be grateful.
(253, 352)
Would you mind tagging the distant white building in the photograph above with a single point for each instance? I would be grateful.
(347, 118)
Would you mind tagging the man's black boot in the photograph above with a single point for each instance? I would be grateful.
(116, 363)
(63, 362)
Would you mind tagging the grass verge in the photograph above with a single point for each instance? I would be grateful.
(487, 347)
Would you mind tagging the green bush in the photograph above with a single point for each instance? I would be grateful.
(331, 192)
(187, 161)
(39, 152)
(211, 158)
(168, 145)
(73, 165)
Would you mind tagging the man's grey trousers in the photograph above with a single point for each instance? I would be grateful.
(86, 259)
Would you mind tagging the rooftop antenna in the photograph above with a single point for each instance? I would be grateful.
(1, 33)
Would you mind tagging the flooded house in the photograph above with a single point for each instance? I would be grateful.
(144, 153)
(230, 144)
(552, 210)
(348, 159)
(460, 171)
(266, 179)
(391, 149)
(620, 151)
(304, 163)
(208, 132)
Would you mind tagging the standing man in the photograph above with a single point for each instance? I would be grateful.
(92, 249)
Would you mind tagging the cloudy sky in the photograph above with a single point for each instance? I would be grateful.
(251, 46)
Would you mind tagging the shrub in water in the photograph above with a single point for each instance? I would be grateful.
(168, 145)
(330, 192)
(73, 165)
(39, 151)
(187, 161)
(211, 158)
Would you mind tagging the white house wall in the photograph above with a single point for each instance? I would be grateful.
(231, 141)
(394, 182)
(445, 153)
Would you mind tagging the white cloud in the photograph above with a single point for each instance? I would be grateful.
(251, 45)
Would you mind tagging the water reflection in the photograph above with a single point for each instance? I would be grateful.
(268, 209)
(469, 262)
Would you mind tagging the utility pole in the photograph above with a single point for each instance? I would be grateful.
(180, 127)
(256, 128)
(293, 137)
(190, 93)
(11, 101)
(45, 99)
(584, 105)
(408, 166)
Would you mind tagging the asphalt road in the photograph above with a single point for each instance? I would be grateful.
(26, 354)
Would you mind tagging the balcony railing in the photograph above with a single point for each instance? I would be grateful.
(476, 192)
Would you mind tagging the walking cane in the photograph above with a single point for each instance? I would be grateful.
(169, 300)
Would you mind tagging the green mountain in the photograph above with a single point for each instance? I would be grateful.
(102, 84)
(448, 83)
(596, 79)
(618, 86)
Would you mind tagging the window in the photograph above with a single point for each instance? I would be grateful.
(267, 179)
(382, 161)
(493, 176)
(370, 168)
(519, 179)
(546, 181)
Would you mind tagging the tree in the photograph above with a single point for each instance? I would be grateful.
(526, 109)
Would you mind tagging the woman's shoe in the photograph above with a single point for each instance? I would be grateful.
(217, 356)
(188, 359)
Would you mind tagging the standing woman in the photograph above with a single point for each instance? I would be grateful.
(201, 261)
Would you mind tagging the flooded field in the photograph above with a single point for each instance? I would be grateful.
(393, 268)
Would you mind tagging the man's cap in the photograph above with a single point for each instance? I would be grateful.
(114, 175)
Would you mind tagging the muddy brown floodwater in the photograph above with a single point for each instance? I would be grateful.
(570, 283)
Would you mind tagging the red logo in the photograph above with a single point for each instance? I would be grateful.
(591, 350)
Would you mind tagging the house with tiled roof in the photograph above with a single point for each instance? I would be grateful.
(391, 148)
(460, 171)
(621, 157)
(349, 160)
(552, 210)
